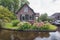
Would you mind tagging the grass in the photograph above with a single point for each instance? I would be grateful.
(10, 26)
(51, 27)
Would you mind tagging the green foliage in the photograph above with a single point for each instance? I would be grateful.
(51, 27)
(10, 4)
(23, 2)
(1, 23)
(10, 26)
(15, 22)
(33, 27)
(28, 26)
(43, 17)
(13, 5)
(25, 26)
(6, 15)
(48, 27)
(45, 27)
(50, 19)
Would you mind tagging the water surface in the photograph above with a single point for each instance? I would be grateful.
(52, 36)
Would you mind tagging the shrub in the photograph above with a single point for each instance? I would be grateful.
(38, 25)
(45, 27)
(0, 23)
(33, 27)
(6, 15)
(24, 26)
(15, 22)
(52, 27)
(48, 26)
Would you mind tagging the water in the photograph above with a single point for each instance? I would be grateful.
(52, 36)
(18, 35)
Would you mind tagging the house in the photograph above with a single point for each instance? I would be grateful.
(56, 16)
(25, 13)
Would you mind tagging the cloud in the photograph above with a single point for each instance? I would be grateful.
(48, 6)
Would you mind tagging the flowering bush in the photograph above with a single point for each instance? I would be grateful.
(38, 25)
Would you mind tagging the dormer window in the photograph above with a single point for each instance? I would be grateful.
(26, 9)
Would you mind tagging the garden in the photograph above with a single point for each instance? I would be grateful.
(27, 26)
(8, 19)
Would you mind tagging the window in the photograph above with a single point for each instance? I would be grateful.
(27, 17)
(30, 17)
(22, 17)
(26, 9)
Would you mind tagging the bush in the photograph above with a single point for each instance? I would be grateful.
(48, 27)
(24, 26)
(33, 27)
(52, 27)
(45, 27)
(1, 23)
(38, 25)
(15, 22)
(6, 15)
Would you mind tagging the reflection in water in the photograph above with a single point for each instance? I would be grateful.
(44, 34)
(53, 36)
(17, 35)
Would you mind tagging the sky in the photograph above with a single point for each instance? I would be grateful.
(45, 6)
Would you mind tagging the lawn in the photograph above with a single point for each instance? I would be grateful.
(9, 26)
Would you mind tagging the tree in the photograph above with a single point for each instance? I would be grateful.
(49, 19)
(43, 17)
(13, 5)
(7, 3)
(23, 2)
(6, 15)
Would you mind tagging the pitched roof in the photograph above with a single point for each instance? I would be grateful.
(56, 14)
(23, 6)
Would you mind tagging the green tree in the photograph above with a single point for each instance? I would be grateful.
(7, 3)
(23, 2)
(6, 15)
(13, 5)
(43, 17)
(50, 19)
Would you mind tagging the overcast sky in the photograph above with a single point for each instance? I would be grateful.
(45, 6)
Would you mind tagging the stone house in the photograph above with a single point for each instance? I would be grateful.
(25, 13)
